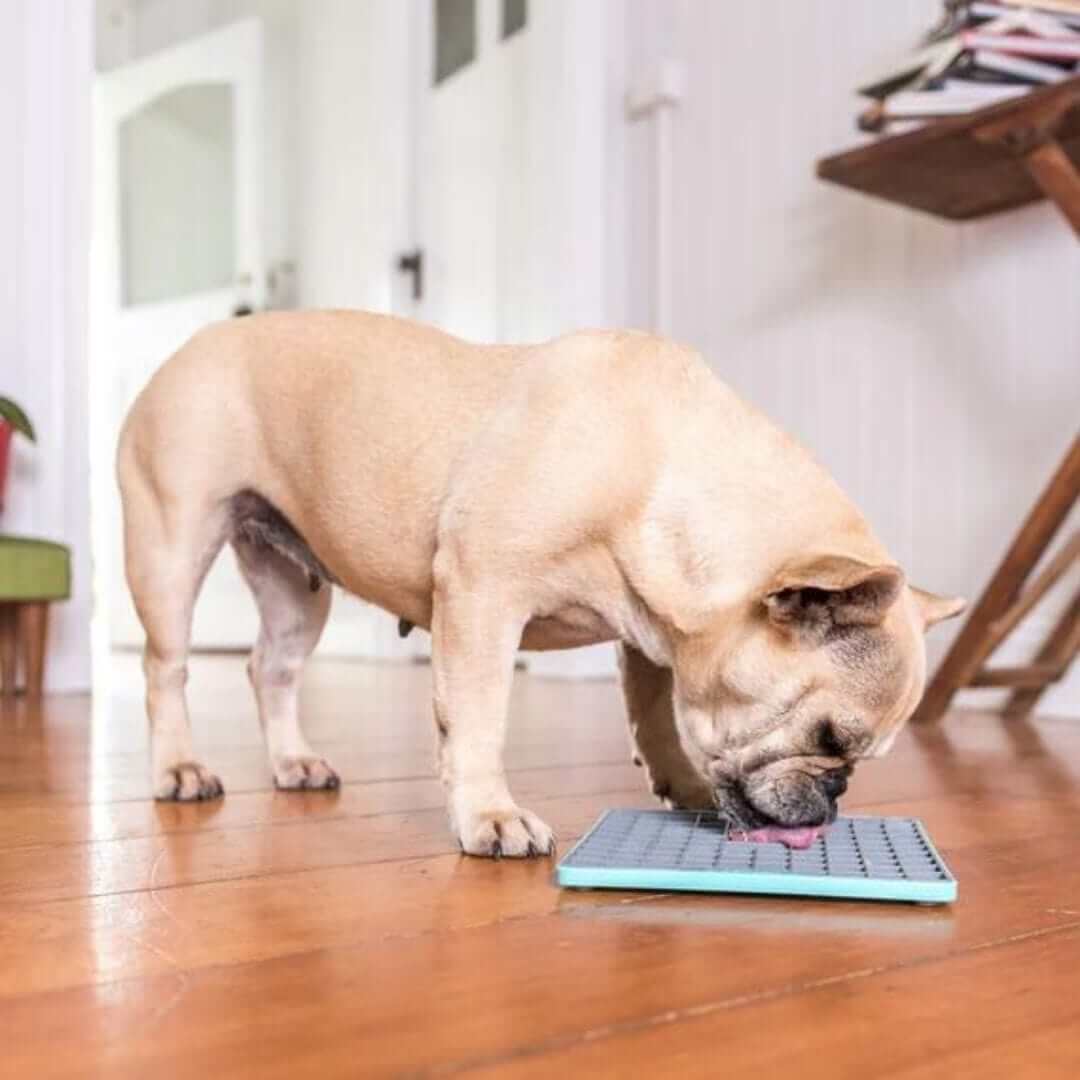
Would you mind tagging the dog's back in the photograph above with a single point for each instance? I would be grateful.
(340, 421)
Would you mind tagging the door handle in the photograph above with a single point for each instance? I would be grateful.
(412, 262)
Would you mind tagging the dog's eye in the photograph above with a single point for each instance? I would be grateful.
(830, 740)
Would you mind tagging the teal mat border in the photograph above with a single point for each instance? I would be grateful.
(762, 882)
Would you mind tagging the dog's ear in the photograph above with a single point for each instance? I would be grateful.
(832, 590)
(934, 608)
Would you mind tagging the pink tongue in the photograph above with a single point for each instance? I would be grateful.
(774, 834)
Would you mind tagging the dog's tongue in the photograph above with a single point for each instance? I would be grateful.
(775, 834)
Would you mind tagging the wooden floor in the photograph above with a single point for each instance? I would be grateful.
(275, 935)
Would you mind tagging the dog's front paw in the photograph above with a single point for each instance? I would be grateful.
(513, 832)
(305, 774)
(187, 781)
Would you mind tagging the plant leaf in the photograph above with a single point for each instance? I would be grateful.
(11, 412)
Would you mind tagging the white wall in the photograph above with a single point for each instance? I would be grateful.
(45, 68)
(934, 368)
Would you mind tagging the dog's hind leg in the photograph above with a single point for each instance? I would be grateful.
(168, 549)
(650, 713)
(293, 607)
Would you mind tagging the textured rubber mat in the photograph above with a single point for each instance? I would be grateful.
(870, 858)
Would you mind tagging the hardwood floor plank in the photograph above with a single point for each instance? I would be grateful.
(71, 942)
(482, 991)
(38, 874)
(81, 823)
(45, 872)
(126, 777)
(281, 935)
(1005, 1009)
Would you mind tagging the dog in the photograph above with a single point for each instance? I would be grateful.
(602, 487)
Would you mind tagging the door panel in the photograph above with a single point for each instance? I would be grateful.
(177, 245)
(483, 187)
(176, 168)
(457, 166)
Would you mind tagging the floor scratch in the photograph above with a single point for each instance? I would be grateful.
(167, 1007)
(152, 889)
(707, 1008)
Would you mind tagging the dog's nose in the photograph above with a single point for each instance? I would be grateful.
(833, 784)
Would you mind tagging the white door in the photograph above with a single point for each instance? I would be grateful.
(472, 165)
(488, 193)
(177, 245)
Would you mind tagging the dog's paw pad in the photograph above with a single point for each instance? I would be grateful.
(305, 774)
(514, 833)
(187, 782)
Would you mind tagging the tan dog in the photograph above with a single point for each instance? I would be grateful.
(602, 487)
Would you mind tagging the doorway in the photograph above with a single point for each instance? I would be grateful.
(177, 244)
(441, 159)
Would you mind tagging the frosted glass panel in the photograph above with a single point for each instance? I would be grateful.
(177, 202)
(455, 36)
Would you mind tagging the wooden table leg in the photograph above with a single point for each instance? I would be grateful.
(1058, 651)
(8, 670)
(1030, 136)
(970, 648)
(33, 630)
(1055, 173)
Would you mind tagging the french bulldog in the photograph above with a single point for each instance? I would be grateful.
(602, 487)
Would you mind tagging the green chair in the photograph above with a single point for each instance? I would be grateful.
(33, 573)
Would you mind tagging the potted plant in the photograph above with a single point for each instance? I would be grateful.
(12, 419)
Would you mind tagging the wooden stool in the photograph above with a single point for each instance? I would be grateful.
(1003, 606)
(964, 167)
(33, 574)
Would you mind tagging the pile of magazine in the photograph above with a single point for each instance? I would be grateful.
(979, 54)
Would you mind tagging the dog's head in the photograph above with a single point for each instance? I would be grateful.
(823, 667)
